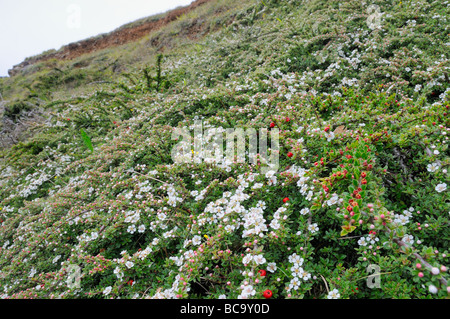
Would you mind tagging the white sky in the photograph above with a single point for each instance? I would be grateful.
(30, 27)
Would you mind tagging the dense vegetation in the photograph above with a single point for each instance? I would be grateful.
(361, 96)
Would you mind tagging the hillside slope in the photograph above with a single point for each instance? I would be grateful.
(125, 34)
(357, 96)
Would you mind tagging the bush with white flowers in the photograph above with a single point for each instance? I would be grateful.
(362, 181)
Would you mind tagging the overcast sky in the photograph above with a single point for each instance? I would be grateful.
(30, 27)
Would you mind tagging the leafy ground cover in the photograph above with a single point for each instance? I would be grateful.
(362, 184)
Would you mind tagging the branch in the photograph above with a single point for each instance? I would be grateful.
(399, 242)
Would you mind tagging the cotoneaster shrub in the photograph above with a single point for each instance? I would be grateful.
(362, 182)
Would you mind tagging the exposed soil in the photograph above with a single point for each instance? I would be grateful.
(113, 38)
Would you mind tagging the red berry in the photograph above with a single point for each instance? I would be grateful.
(267, 294)
(290, 154)
(262, 272)
(272, 124)
(285, 200)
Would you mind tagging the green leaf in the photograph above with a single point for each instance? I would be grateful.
(347, 229)
(86, 140)
(357, 173)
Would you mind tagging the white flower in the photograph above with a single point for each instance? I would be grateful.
(32, 273)
(329, 136)
(407, 213)
(362, 241)
(107, 290)
(401, 219)
(272, 267)
(141, 228)
(270, 173)
(408, 239)
(259, 259)
(222, 297)
(178, 260)
(313, 228)
(275, 224)
(197, 240)
(436, 152)
(118, 273)
(441, 187)
(129, 264)
(334, 294)
(248, 291)
(303, 189)
(257, 185)
(295, 283)
(305, 275)
(302, 181)
(94, 235)
(131, 229)
(310, 195)
(272, 180)
(194, 193)
(247, 259)
(304, 211)
(333, 200)
(295, 259)
(433, 167)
